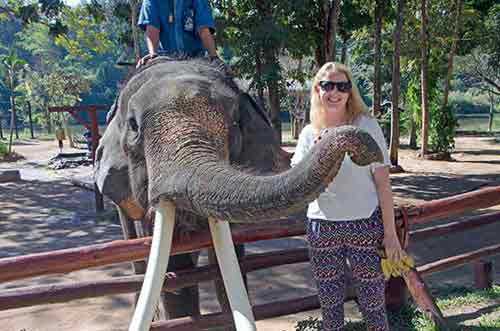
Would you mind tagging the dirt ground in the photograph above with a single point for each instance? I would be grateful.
(46, 212)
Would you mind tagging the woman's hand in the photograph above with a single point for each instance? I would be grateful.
(392, 247)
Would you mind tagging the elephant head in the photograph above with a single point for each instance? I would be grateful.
(183, 135)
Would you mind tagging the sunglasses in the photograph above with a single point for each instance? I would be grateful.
(328, 85)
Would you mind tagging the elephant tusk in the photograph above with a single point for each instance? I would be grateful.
(157, 267)
(231, 275)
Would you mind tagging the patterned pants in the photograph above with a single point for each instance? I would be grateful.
(331, 243)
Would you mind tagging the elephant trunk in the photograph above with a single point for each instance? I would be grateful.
(205, 183)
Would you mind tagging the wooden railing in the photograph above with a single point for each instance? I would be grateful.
(68, 260)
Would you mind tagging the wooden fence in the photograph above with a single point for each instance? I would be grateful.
(64, 261)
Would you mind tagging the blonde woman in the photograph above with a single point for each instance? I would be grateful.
(355, 214)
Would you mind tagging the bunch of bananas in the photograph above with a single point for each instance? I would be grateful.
(392, 268)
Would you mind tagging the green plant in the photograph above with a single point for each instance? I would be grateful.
(3, 149)
(310, 324)
(442, 129)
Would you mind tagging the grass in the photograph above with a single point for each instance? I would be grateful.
(462, 296)
(448, 297)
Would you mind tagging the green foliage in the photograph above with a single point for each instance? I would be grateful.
(83, 39)
(3, 149)
(442, 128)
(463, 296)
(412, 319)
(310, 324)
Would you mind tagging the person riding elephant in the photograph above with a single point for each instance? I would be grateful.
(177, 28)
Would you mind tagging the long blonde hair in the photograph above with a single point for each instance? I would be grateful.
(355, 104)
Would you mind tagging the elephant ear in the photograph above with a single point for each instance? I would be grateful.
(111, 172)
(260, 148)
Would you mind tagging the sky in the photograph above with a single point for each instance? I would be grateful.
(72, 3)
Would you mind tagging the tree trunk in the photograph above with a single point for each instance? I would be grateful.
(413, 134)
(15, 116)
(423, 80)
(135, 32)
(274, 100)
(12, 120)
(492, 110)
(271, 64)
(260, 84)
(31, 120)
(273, 90)
(379, 4)
(334, 18)
(1, 128)
(394, 144)
(453, 51)
(48, 119)
(343, 57)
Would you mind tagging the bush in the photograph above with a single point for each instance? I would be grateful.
(3, 149)
(442, 129)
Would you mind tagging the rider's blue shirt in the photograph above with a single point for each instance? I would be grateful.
(179, 22)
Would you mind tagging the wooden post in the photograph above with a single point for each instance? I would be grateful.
(1, 128)
(396, 293)
(94, 130)
(483, 275)
(99, 200)
(422, 297)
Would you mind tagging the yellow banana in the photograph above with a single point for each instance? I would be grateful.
(408, 261)
(385, 268)
(392, 268)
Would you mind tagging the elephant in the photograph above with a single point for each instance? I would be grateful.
(183, 136)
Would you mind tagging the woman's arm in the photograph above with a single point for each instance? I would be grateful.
(382, 183)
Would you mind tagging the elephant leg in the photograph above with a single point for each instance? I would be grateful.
(231, 275)
(157, 264)
(185, 301)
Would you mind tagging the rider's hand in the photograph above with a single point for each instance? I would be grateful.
(217, 60)
(145, 59)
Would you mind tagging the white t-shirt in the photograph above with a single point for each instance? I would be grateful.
(352, 193)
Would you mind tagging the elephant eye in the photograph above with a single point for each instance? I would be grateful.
(133, 124)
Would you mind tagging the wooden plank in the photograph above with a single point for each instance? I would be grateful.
(458, 260)
(77, 108)
(67, 260)
(453, 227)
(457, 204)
(58, 293)
(261, 312)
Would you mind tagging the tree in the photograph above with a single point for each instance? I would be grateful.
(379, 10)
(452, 53)
(394, 141)
(352, 17)
(12, 65)
(424, 79)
